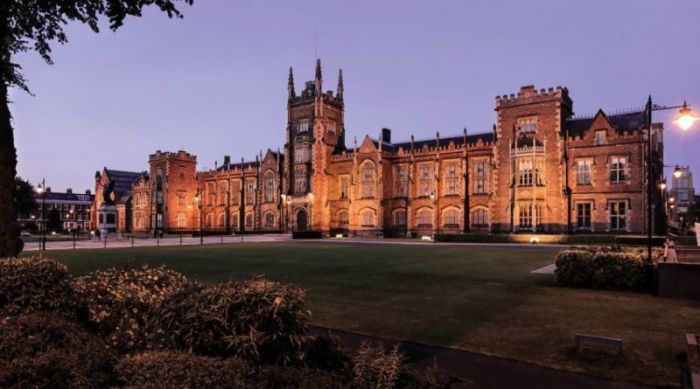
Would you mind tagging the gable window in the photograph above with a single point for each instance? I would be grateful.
(400, 217)
(452, 179)
(583, 171)
(525, 172)
(426, 180)
(601, 138)
(617, 169)
(480, 166)
(479, 218)
(368, 180)
(618, 215)
(401, 181)
(583, 216)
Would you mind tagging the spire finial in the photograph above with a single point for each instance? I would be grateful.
(341, 88)
(318, 68)
(319, 78)
(290, 84)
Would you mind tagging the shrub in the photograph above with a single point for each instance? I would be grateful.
(273, 377)
(46, 350)
(257, 320)
(121, 302)
(375, 367)
(604, 267)
(35, 285)
(180, 370)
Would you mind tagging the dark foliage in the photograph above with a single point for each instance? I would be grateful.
(180, 370)
(604, 267)
(53, 221)
(273, 377)
(34, 285)
(324, 353)
(120, 303)
(23, 198)
(375, 367)
(47, 351)
(256, 320)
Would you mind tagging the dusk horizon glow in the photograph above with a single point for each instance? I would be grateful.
(214, 83)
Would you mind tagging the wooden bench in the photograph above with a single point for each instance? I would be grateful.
(581, 339)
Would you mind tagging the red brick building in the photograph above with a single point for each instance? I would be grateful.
(539, 169)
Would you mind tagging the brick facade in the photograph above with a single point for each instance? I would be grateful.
(539, 169)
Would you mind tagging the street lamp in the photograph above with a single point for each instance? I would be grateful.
(41, 189)
(677, 172)
(662, 185)
(432, 198)
(685, 120)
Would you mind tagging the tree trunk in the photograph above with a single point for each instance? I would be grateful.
(10, 243)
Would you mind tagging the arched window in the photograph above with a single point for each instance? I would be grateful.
(222, 220)
(425, 217)
(343, 218)
(367, 216)
(234, 220)
(249, 220)
(210, 220)
(368, 178)
(450, 217)
(269, 219)
(400, 217)
(269, 182)
(480, 217)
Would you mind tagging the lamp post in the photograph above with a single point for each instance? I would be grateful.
(42, 191)
(685, 120)
(432, 198)
(198, 200)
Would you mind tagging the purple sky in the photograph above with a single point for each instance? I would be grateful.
(214, 83)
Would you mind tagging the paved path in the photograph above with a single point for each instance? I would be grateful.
(482, 371)
(113, 242)
(549, 269)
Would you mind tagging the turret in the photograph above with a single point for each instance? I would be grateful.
(290, 84)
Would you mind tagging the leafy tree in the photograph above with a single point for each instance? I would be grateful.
(34, 25)
(23, 199)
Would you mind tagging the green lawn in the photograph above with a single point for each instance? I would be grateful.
(474, 298)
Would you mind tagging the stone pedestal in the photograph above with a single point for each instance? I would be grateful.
(107, 219)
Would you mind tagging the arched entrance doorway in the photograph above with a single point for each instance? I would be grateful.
(302, 220)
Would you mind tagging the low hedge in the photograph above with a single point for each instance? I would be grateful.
(307, 235)
(605, 267)
(35, 285)
(121, 303)
(42, 350)
(550, 239)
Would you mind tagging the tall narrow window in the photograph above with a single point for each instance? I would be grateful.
(249, 220)
(525, 216)
(368, 180)
(344, 187)
(617, 169)
(343, 218)
(583, 216)
(250, 192)
(525, 172)
(269, 187)
(223, 193)
(181, 220)
(235, 193)
(452, 179)
(211, 193)
(618, 215)
(269, 220)
(583, 171)
(600, 138)
(301, 154)
(401, 181)
(426, 180)
(480, 181)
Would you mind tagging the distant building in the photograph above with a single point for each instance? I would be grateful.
(73, 209)
(121, 196)
(539, 169)
(683, 194)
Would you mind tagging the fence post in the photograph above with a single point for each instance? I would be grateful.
(105, 241)
(132, 240)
